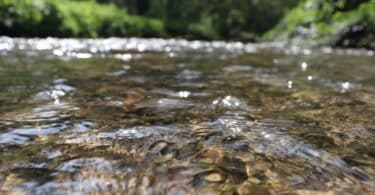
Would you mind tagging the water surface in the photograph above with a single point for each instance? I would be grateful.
(154, 116)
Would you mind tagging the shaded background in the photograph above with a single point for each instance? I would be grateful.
(347, 23)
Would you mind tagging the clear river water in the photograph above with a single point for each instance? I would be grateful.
(155, 116)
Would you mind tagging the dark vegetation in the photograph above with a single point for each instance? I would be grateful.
(347, 23)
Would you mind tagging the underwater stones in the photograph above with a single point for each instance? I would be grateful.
(214, 177)
(200, 128)
(207, 161)
(175, 164)
(258, 137)
(212, 154)
(254, 180)
(132, 104)
(314, 192)
(97, 164)
(252, 189)
(164, 158)
(158, 146)
(10, 183)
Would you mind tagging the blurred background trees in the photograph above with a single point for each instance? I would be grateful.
(344, 23)
(338, 22)
(211, 19)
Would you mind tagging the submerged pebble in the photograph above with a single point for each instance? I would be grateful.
(214, 177)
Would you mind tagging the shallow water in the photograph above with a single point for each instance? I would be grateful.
(153, 116)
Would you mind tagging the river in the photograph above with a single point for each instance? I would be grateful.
(155, 116)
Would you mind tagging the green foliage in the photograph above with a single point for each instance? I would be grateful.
(203, 29)
(72, 18)
(209, 19)
(326, 21)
